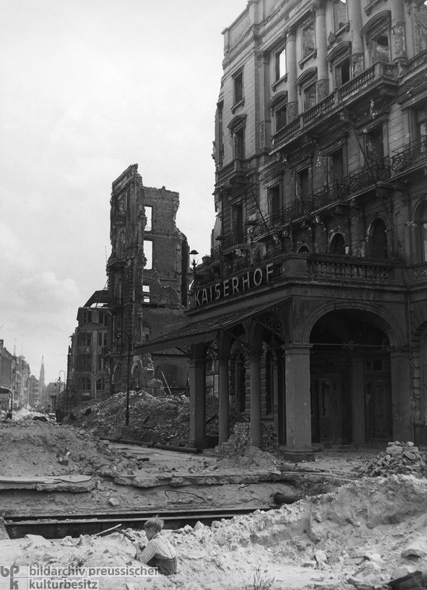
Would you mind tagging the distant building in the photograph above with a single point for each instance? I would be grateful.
(147, 279)
(6, 361)
(88, 375)
(34, 399)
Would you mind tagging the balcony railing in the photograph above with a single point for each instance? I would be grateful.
(319, 109)
(411, 154)
(371, 173)
(331, 193)
(376, 72)
(320, 267)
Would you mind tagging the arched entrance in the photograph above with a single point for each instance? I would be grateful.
(350, 380)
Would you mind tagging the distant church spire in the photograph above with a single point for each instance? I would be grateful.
(41, 380)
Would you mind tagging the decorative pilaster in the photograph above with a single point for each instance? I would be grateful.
(355, 18)
(322, 50)
(291, 67)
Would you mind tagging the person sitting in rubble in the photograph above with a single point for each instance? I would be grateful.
(159, 552)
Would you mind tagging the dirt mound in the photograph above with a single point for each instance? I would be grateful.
(361, 536)
(30, 448)
(164, 419)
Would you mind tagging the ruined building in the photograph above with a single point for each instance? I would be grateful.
(147, 283)
(313, 301)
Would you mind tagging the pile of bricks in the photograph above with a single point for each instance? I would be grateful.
(398, 458)
(241, 438)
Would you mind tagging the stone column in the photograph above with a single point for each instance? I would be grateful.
(298, 405)
(401, 395)
(197, 402)
(223, 399)
(291, 68)
(255, 398)
(398, 32)
(357, 52)
(357, 400)
(322, 50)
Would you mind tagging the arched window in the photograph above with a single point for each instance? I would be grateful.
(337, 245)
(378, 240)
(100, 384)
(303, 250)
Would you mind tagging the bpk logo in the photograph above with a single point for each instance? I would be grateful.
(11, 573)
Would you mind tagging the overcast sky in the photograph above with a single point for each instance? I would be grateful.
(88, 87)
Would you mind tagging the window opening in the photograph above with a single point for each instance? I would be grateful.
(381, 47)
(309, 96)
(280, 64)
(146, 293)
(374, 145)
(280, 115)
(238, 223)
(378, 241)
(303, 187)
(337, 245)
(238, 88)
(336, 166)
(239, 144)
(275, 202)
(102, 339)
(342, 72)
(149, 218)
(148, 253)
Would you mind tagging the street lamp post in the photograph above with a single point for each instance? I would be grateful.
(119, 336)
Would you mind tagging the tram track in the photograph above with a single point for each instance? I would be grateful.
(62, 525)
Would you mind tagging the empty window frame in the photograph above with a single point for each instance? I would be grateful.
(148, 253)
(85, 384)
(280, 64)
(146, 293)
(303, 184)
(237, 223)
(100, 384)
(238, 88)
(374, 145)
(378, 239)
(307, 34)
(309, 96)
(148, 218)
(342, 71)
(280, 117)
(102, 339)
(275, 203)
(336, 166)
(239, 143)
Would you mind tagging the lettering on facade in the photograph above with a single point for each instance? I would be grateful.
(234, 285)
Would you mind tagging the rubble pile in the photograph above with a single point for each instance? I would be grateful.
(359, 537)
(399, 457)
(161, 419)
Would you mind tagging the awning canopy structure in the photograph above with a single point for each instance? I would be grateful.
(200, 331)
